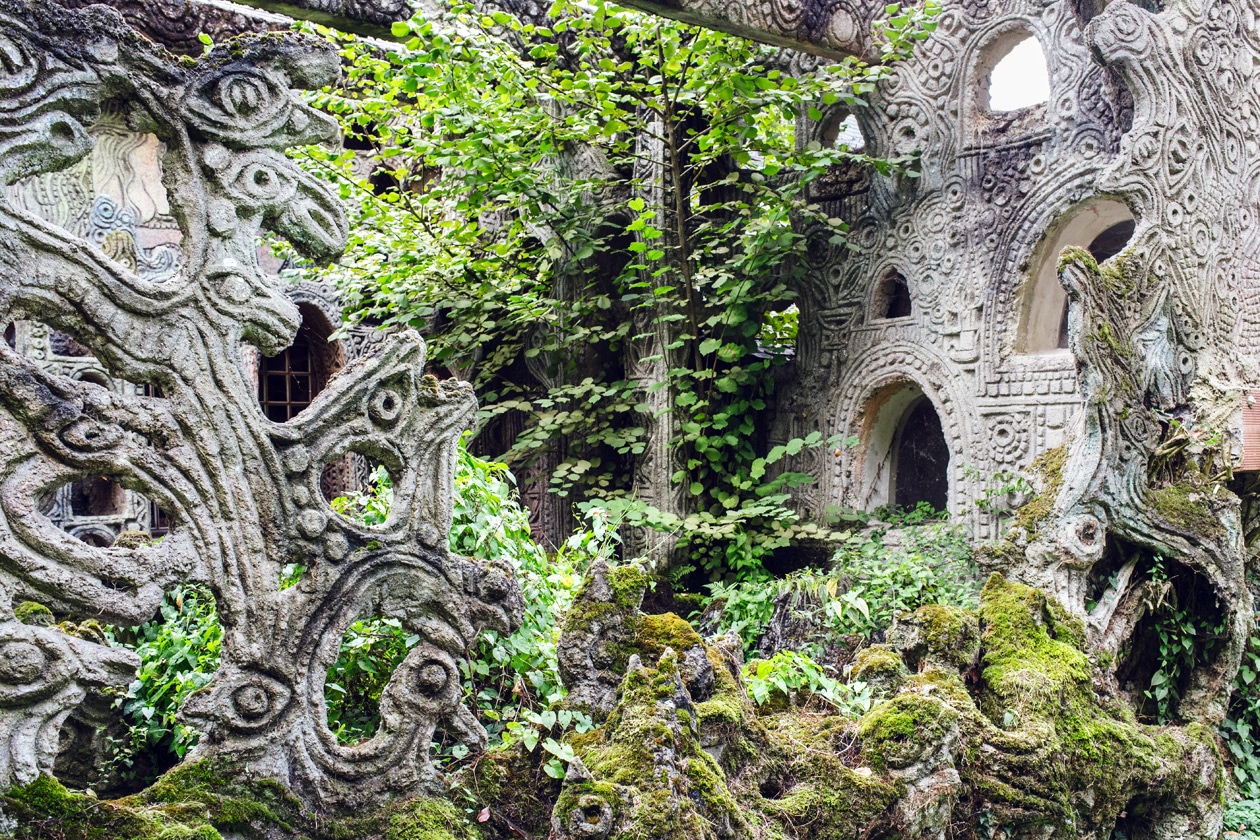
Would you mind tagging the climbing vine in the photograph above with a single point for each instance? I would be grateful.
(585, 213)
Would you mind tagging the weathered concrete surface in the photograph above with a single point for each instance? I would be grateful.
(243, 493)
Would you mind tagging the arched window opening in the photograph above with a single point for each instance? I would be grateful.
(921, 460)
(904, 454)
(1103, 227)
(1019, 77)
(892, 297)
(289, 380)
(842, 131)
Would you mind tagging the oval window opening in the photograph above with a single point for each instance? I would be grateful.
(1020, 78)
(358, 488)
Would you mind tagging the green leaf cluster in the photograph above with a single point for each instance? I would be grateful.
(579, 214)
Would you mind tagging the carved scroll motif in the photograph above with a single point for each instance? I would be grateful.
(243, 493)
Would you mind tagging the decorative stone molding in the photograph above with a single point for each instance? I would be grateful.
(242, 492)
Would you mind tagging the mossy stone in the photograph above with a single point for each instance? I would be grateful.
(35, 614)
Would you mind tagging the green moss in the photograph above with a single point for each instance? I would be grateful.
(812, 792)
(1031, 652)
(1107, 337)
(938, 634)
(728, 702)
(646, 726)
(584, 804)
(133, 539)
(1049, 467)
(30, 612)
(879, 666)
(628, 583)
(1183, 506)
(45, 809)
(904, 730)
(429, 819)
(217, 789)
(657, 632)
(203, 800)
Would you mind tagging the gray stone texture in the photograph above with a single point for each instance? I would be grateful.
(243, 493)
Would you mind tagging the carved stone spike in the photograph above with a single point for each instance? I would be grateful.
(243, 493)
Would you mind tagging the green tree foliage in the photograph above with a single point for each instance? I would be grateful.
(179, 651)
(549, 203)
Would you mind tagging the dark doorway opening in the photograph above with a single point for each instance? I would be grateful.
(921, 463)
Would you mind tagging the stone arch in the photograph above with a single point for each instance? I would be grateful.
(1020, 76)
(883, 387)
(987, 124)
(1101, 225)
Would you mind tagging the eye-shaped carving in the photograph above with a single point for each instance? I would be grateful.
(260, 179)
(430, 678)
(87, 435)
(591, 818)
(33, 664)
(427, 680)
(249, 702)
(21, 662)
(385, 406)
(242, 106)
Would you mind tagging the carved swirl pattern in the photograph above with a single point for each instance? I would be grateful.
(243, 493)
(964, 234)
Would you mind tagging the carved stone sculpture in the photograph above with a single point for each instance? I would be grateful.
(243, 493)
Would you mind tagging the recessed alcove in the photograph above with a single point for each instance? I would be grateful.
(892, 297)
(289, 380)
(905, 454)
(920, 464)
(1104, 227)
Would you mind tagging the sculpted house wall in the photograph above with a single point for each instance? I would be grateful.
(976, 238)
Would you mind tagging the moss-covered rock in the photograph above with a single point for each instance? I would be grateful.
(880, 667)
(133, 539)
(204, 800)
(30, 612)
(1186, 508)
(598, 634)
(948, 637)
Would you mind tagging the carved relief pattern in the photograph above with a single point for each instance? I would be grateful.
(242, 492)
(1190, 169)
(963, 234)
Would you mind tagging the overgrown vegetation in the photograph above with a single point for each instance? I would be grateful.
(873, 577)
(507, 214)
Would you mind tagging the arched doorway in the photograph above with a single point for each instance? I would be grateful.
(920, 463)
(905, 454)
